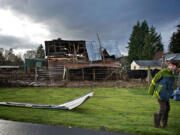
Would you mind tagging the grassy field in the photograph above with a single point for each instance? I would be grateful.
(117, 109)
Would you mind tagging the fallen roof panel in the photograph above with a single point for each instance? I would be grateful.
(66, 106)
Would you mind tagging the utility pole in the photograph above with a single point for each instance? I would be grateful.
(101, 51)
(36, 75)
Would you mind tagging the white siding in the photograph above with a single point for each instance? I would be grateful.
(135, 66)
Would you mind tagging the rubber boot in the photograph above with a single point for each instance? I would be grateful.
(164, 124)
(156, 120)
(164, 121)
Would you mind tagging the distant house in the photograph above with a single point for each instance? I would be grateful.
(175, 56)
(6, 72)
(143, 64)
(168, 56)
(158, 55)
(8, 68)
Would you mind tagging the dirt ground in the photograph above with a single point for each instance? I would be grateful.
(75, 84)
(122, 84)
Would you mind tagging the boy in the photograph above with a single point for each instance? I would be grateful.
(161, 88)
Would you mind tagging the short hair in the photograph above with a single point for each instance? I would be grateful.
(173, 62)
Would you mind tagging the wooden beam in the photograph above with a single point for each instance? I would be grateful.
(67, 74)
(83, 74)
(75, 52)
(101, 51)
(94, 74)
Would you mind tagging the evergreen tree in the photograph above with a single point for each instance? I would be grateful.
(18, 61)
(152, 44)
(132, 47)
(144, 31)
(144, 43)
(40, 52)
(174, 45)
(136, 44)
(10, 58)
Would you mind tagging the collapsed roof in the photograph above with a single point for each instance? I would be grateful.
(82, 49)
(94, 53)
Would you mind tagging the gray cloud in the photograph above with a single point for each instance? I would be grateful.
(7, 42)
(81, 19)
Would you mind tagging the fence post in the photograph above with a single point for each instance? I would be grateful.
(64, 73)
(36, 75)
(149, 77)
(94, 75)
(67, 74)
(83, 74)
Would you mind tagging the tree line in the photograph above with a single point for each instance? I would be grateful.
(174, 45)
(8, 57)
(145, 42)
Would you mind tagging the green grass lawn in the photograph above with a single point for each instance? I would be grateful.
(117, 109)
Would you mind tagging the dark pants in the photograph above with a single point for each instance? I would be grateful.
(164, 108)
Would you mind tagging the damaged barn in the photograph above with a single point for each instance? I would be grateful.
(82, 60)
(95, 71)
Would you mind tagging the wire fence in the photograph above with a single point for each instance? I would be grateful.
(59, 73)
(82, 74)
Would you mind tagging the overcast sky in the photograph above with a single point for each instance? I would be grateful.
(25, 24)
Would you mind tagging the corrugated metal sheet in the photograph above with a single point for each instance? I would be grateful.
(153, 63)
(93, 49)
(175, 56)
(66, 106)
(10, 67)
(111, 47)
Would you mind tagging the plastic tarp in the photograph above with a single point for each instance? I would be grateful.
(66, 106)
(93, 49)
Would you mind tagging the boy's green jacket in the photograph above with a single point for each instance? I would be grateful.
(162, 83)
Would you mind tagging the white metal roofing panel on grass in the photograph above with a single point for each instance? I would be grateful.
(67, 106)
